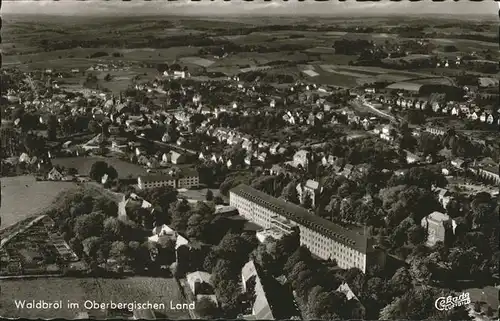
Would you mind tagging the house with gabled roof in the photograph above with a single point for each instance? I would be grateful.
(54, 175)
(261, 310)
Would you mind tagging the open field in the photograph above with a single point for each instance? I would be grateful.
(138, 289)
(84, 164)
(23, 197)
(197, 61)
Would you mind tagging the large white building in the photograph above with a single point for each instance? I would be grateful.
(184, 179)
(153, 181)
(323, 238)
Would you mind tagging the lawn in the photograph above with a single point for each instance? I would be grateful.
(83, 165)
(138, 289)
(23, 196)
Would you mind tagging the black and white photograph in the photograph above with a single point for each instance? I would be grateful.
(250, 160)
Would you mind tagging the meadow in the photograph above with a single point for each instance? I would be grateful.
(23, 196)
(84, 164)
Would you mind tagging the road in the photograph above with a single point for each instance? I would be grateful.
(171, 146)
(361, 104)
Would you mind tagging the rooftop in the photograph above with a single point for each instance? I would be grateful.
(302, 216)
(155, 178)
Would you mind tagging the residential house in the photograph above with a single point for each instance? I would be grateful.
(350, 296)
(444, 196)
(262, 157)
(439, 227)
(387, 133)
(24, 158)
(274, 148)
(177, 158)
(328, 160)
(248, 159)
(162, 231)
(201, 286)
(181, 141)
(217, 158)
(347, 170)
(276, 170)
(247, 145)
(312, 189)
(301, 158)
(54, 175)
(119, 145)
(412, 158)
(260, 309)
(201, 156)
(458, 163)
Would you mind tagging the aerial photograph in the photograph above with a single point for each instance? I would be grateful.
(265, 160)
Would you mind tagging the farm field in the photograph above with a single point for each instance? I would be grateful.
(79, 57)
(197, 61)
(23, 196)
(139, 289)
(83, 165)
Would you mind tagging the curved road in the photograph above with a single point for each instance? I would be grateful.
(362, 104)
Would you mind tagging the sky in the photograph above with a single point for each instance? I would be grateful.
(257, 7)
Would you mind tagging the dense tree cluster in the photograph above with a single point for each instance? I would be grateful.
(225, 262)
(93, 229)
(101, 168)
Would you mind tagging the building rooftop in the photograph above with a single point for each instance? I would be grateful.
(302, 216)
(155, 178)
(438, 216)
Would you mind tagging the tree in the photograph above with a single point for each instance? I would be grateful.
(52, 125)
(89, 225)
(206, 308)
(113, 228)
(112, 173)
(195, 226)
(307, 200)
(425, 178)
(417, 234)
(77, 246)
(98, 170)
(312, 298)
(91, 245)
(107, 77)
(119, 251)
(94, 126)
(210, 195)
(301, 254)
(400, 282)
(428, 144)
(225, 186)
(290, 193)
(106, 206)
(218, 200)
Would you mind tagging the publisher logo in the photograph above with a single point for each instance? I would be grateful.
(450, 302)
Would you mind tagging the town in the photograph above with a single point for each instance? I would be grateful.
(348, 179)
